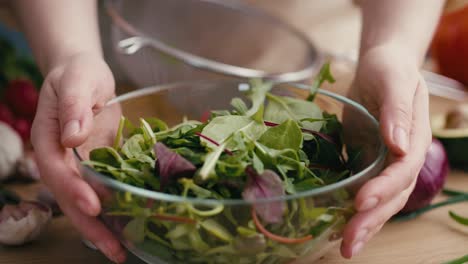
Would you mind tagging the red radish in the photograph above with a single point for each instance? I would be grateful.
(23, 127)
(6, 116)
(22, 97)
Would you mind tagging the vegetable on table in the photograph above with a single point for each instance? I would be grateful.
(461, 260)
(431, 178)
(454, 197)
(22, 97)
(449, 45)
(21, 221)
(11, 151)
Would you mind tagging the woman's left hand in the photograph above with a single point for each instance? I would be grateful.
(388, 83)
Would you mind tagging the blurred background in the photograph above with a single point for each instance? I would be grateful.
(239, 38)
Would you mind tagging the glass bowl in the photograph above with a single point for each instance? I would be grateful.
(223, 231)
(194, 37)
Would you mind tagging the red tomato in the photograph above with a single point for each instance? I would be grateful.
(450, 45)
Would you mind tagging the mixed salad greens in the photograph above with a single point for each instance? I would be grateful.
(273, 146)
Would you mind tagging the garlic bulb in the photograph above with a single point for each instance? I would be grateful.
(11, 150)
(23, 222)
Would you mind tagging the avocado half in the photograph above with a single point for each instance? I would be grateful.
(455, 141)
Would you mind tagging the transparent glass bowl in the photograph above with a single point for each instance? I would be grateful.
(328, 208)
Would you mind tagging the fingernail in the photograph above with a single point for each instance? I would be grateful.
(368, 204)
(361, 235)
(401, 138)
(356, 248)
(71, 128)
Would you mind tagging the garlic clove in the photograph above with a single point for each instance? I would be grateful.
(24, 222)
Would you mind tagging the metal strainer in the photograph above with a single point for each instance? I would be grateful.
(224, 38)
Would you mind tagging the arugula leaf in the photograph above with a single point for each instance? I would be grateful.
(171, 165)
(208, 168)
(239, 105)
(257, 95)
(280, 109)
(265, 185)
(324, 75)
(148, 133)
(257, 164)
(287, 135)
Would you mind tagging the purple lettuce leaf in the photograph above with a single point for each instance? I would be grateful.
(170, 165)
(265, 185)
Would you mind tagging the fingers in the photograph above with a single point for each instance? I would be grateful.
(76, 199)
(382, 197)
(402, 171)
(56, 164)
(364, 225)
(396, 112)
(80, 94)
(95, 231)
(74, 108)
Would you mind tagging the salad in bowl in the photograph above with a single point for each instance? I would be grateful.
(230, 171)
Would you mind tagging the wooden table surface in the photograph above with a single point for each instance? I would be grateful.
(432, 238)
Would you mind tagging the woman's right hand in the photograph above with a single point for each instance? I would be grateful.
(73, 91)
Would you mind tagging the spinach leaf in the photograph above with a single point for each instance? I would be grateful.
(279, 109)
(106, 155)
(287, 135)
(222, 127)
(133, 146)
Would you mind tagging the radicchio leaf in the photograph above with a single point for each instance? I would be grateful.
(265, 185)
(171, 165)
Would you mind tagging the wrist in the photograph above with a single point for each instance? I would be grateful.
(392, 51)
(62, 58)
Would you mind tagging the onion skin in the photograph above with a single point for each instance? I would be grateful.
(431, 178)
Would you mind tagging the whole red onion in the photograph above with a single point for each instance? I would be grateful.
(431, 178)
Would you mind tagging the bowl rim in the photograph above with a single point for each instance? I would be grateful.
(120, 186)
(138, 39)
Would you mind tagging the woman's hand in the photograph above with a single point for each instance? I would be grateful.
(389, 85)
(72, 93)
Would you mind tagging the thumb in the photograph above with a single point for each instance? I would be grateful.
(396, 113)
(75, 112)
